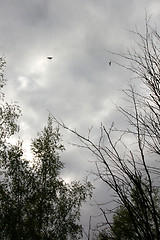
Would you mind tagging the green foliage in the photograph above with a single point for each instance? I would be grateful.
(9, 113)
(35, 202)
(124, 227)
(53, 194)
(103, 235)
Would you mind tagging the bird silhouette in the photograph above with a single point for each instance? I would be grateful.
(50, 58)
(110, 63)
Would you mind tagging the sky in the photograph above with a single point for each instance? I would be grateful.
(77, 85)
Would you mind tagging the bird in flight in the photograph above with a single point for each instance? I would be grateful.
(49, 57)
(110, 63)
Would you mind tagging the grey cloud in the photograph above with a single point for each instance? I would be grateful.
(78, 85)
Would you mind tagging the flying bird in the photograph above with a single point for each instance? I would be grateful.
(50, 58)
(110, 63)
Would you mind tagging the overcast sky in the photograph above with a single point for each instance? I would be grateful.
(77, 85)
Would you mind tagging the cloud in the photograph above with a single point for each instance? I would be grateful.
(77, 85)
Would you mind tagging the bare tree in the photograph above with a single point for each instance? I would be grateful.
(129, 170)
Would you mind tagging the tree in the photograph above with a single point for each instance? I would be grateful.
(9, 113)
(57, 204)
(35, 202)
(121, 166)
(122, 226)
